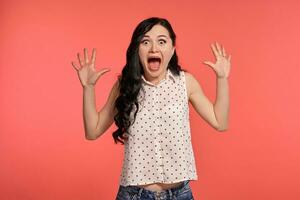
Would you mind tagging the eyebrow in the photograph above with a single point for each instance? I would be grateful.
(158, 36)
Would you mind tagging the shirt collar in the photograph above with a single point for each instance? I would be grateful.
(169, 75)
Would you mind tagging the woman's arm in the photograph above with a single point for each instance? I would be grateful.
(215, 114)
(199, 101)
(90, 117)
(221, 106)
(96, 123)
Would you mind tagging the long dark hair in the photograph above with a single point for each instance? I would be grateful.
(130, 81)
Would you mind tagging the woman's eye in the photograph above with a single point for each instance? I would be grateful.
(145, 42)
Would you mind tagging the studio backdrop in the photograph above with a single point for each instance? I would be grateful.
(44, 154)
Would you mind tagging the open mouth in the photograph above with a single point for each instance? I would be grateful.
(154, 63)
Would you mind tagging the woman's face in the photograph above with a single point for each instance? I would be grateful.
(155, 52)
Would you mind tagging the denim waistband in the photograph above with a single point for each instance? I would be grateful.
(171, 191)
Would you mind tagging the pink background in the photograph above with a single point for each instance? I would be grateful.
(43, 152)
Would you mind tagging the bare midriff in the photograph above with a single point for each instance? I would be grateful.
(160, 186)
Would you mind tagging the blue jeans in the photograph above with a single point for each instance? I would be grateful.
(182, 192)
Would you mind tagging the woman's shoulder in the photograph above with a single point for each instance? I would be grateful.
(190, 81)
(188, 76)
(186, 73)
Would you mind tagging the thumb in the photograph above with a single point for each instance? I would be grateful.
(209, 63)
(101, 72)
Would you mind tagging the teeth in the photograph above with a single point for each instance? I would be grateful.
(156, 58)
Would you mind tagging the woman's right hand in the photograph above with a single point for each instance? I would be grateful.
(87, 73)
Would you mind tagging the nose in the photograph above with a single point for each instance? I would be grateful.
(153, 47)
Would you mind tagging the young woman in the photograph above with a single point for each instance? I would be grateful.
(149, 104)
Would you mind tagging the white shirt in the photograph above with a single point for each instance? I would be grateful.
(159, 148)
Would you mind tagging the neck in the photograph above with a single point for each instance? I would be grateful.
(156, 80)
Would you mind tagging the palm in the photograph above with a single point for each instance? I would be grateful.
(88, 74)
(222, 65)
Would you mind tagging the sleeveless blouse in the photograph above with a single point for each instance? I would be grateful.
(159, 147)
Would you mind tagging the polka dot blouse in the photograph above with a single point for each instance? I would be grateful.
(159, 148)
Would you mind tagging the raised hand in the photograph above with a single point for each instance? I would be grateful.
(87, 73)
(222, 65)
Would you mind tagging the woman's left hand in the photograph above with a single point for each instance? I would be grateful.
(222, 65)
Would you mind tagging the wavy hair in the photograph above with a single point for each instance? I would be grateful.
(130, 81)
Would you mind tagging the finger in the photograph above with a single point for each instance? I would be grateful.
(86, 57)
(80, 60)
(75, 67)
(215, 51)
(229, 58)
(94, 56)
(223, 51)
(219, 49)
